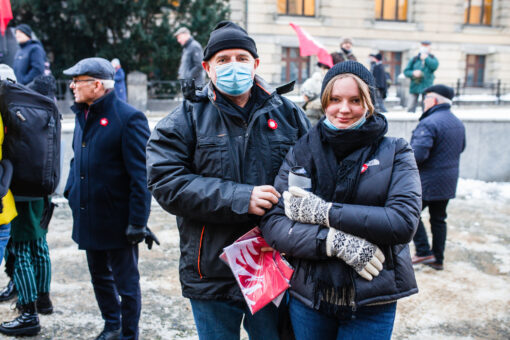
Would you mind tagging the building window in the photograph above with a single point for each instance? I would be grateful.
(392, 62)
(478, 12)
(475, 67)
(392, 10)
(297, 7)
(294, 67)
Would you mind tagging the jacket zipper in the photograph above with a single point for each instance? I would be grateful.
(200, 251)
(352, 303)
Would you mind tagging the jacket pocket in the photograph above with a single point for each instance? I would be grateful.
(280, 146)
(211, 157)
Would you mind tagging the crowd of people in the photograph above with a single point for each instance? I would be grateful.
(220, 162)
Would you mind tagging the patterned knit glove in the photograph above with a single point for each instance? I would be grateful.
(364, 257)
(304, 207)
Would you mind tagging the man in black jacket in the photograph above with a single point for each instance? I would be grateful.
(212, 162)
(191, 59)
(30, 58)
(377, 69)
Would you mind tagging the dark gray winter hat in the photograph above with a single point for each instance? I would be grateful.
(25, 29)
(351, 66)
(442, 90)
(99, 68)
(227, 35)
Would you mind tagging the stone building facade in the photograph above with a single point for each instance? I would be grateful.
(471, 38)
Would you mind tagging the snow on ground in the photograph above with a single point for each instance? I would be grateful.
(470, 299)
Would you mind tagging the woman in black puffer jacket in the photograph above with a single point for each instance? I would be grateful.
(347, 238)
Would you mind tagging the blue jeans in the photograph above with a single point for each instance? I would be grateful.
(5, 234)
(221, 320)
(369, 322)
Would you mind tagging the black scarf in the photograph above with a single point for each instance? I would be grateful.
(335, 160)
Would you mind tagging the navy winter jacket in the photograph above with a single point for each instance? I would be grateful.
(29, 62)
(106, 187)
(203, 161)
(386, 211)
(438, 141)
(120, 84)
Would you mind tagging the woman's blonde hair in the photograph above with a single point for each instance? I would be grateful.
(364, 91)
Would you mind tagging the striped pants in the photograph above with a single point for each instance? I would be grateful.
(32, 269)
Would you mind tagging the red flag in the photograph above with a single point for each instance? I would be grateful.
(309, 46)
(5, 14)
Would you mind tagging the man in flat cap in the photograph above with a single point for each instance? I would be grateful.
(191, 58)
(212, 162)
(438, 141)
(345, 52)
(30, 58)
(107, 193)
(420, 70)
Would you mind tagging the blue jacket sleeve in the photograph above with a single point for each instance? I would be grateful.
(134, 138)
(178, 188)
(37, 58)
(422, 142)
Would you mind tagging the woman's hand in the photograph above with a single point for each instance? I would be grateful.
(364, 257)
(304, 207)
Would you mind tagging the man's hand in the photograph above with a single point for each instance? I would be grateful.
(135, 233)
(304, 207)
(364, 257)
(417, 73)
(423, 56)
(150, 238)
(262, 198)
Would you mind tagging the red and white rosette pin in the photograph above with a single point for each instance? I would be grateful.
(103, 121)
(272, 124)
(364, 168)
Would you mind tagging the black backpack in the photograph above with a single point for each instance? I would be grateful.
(32, 139)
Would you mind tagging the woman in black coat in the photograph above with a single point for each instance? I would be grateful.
(347, 238)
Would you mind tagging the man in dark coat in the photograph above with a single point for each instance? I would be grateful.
(212, 163)
(438, 141)
(30, 58)
(345, 52)
(191, 59)
(377, 69)
(120, 80)
(107, 193)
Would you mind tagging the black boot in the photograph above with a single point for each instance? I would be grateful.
(109, 335)
(8, 292)
(25, 324)
(43, 303)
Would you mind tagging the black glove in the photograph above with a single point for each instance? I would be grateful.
(135, 233)
(150, 237)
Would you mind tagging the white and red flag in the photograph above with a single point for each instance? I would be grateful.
(309, 46)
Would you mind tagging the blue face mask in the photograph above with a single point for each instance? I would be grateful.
(354, 126)
(234, 78)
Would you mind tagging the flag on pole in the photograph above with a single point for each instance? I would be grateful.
(309, 46)
(5, 14)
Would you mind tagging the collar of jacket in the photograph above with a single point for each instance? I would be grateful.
(97, 106)
(190, 40)
(435, 108)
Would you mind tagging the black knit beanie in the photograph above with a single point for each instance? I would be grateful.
(25, 29)
(351, 66)
(227, 35)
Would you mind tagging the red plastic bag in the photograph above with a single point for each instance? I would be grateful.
(262, 276)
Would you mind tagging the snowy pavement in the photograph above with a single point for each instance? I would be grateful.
(470, 299)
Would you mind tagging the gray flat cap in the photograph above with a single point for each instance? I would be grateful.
(181, 31)
(99, 68)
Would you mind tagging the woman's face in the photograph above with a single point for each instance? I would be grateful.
(345, 106)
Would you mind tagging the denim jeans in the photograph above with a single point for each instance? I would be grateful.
(221, 320)
(437, 212)
(5, 232)
(369, 322)
(413, 102)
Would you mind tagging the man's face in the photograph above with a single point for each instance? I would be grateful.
(429, 101)
(425, 49)
(21, 37)
(347, 46)
(182, 38)
(229, 56)
(85, 89)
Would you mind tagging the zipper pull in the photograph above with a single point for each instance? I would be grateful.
(20, 116)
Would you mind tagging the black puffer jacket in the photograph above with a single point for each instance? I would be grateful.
(386, 209)
(203, 162)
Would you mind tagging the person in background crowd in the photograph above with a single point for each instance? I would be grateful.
(438, 141)
(108, 195)
(348, 237)
(120, 80)
(30, 58)
(345, 52)
(29, 252)
(191, 59)
(211, 162)
(377, 69)
(420, 70)
(311, 90)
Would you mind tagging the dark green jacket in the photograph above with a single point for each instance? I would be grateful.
(427, 67)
